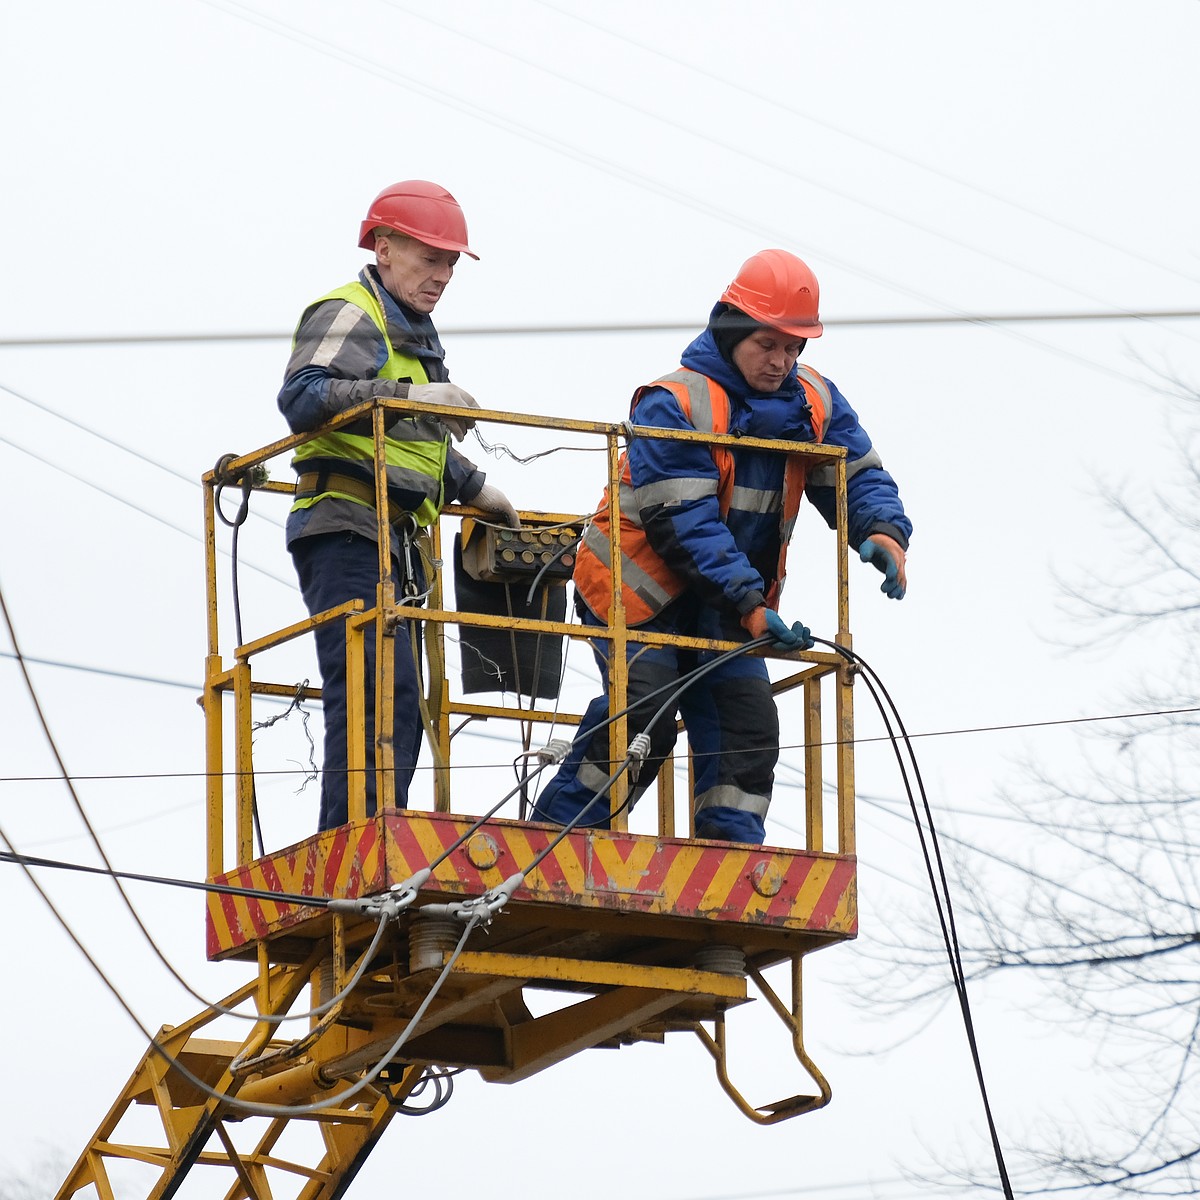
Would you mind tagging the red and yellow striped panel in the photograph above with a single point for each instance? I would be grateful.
(348, 861)
(594, 870)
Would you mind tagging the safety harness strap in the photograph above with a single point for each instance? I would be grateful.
(325, 482)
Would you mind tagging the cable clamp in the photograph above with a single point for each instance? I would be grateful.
(386, 907)
(554, 751)
(481, 908)
(639, 748)
(459, 910)
(402, 895)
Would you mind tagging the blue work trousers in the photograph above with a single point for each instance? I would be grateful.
(731, 720)
(334, 568)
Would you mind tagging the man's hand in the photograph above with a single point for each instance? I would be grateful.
(887, 555)
(766, 621)
(446, 393)
(494, 501)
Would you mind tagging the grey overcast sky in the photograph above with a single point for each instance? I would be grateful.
(201, 166)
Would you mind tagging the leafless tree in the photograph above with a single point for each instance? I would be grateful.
(34, 1181)
(1099, 898)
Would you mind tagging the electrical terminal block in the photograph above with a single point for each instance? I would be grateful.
(494, 555)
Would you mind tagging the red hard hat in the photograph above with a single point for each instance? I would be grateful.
(778, 289)
(423, 210)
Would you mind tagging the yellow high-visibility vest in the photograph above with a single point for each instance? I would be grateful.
(416, 459)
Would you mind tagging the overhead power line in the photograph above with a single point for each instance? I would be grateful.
(615, 168)
(959, 731)
(786, 166)
(683, 327)
(762, 97)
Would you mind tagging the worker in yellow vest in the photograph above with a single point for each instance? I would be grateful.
(703, 541)
(376, 337)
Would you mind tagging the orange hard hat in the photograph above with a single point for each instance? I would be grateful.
(777, 289)
(423, 210)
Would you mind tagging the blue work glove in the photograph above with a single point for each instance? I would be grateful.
(798, 637)
(879, 557)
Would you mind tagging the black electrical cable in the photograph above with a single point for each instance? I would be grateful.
(25, 860)
(676, 687)
(219, 889)
(247, 484)
(942, 899)
(83, 816)
(565, 549)
(225, 889)
(267, 1110)
(442, 1079)
(535, 676)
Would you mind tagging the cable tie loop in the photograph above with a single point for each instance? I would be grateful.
(221, 469)
(247, 480)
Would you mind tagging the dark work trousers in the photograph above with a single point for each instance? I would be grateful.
(334, 568)
(731, 720)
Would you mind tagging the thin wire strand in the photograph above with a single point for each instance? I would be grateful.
(91, 831)
(265, 1110)
(605, 166)
(145, 512)
(782, 166)
(735, 83)
(145, 458)
(608, 327)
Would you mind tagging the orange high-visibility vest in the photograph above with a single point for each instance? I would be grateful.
(648, 583)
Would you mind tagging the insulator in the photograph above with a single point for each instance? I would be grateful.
(429, 939)
(722, 960)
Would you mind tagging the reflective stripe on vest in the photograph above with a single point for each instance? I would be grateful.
(415, 448)
(648, 583)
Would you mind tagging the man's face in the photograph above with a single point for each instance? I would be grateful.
(413, 272)
(766, 358)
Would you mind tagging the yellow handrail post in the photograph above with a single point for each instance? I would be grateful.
(438, 699)
(244, 755)
(814, 790)
(845, 675)
(385, 599)
(214, 752)
(356, 719)
(618, 731)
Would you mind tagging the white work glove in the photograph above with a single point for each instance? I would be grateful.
(446, 393)
(493, 500)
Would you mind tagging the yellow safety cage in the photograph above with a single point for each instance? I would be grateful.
(643, 934)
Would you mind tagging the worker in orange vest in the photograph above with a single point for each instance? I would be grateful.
(704, 536)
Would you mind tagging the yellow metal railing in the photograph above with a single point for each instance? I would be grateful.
(818, 672)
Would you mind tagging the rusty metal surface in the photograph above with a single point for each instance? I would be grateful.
(667, 882)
